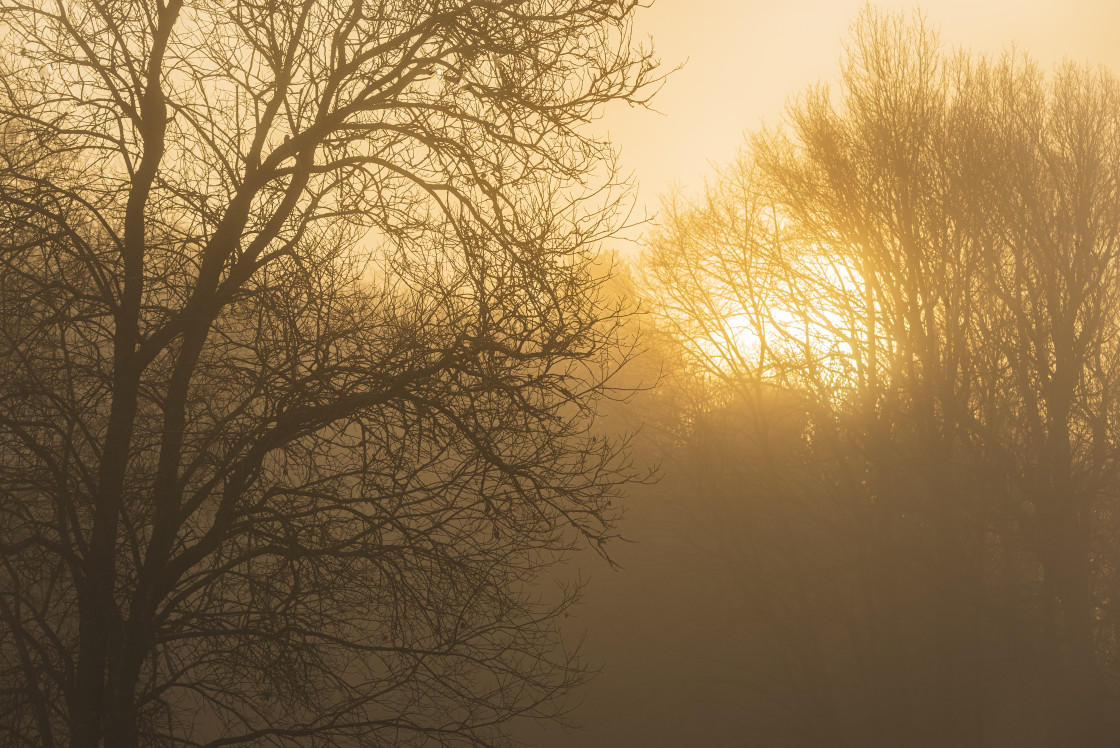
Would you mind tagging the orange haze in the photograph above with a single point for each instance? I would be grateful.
(746, 57)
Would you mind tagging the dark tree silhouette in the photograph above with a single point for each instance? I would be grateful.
(299, 355)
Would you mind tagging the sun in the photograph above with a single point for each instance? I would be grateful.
(813, 319)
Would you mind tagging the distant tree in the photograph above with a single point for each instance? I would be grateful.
(299, 355)
(1044, 210)
(924, 259)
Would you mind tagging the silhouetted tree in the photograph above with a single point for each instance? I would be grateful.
(924, 262)
(299, 356)
(1044, 209)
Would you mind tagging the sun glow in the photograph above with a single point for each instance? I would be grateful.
(810, 322)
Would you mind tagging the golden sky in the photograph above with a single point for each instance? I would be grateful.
(746, 57)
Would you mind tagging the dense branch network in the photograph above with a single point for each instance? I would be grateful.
(301, 341)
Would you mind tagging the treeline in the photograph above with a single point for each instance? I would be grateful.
(897, 320)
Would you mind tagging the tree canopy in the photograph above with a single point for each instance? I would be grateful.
(300, 347)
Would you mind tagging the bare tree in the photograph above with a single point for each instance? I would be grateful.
(924, 259)
(1046, 209)
(300, 351)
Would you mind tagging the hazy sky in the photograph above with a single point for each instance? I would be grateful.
(746, 57)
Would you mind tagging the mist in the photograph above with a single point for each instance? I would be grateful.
(370, 374)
